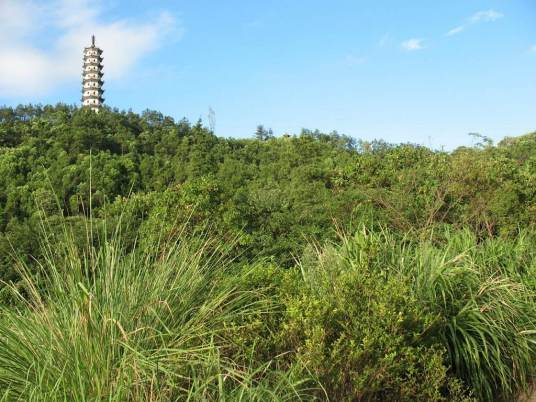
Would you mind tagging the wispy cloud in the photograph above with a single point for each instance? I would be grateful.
(412, 44)
(480, 16)
(456, 30)
(29, 70)
(532, 49)
(486, 16)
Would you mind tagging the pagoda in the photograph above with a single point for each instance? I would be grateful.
(92, 77)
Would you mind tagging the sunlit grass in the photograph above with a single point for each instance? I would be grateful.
(99, 324)
(482, 295)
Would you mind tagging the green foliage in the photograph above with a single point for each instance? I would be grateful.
(104, 325)
(385, 317)
(275, 194)
(432, 299)
(474, 301)
(484, 307)
(357, 327)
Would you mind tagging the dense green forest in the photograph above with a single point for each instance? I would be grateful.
(143, 258)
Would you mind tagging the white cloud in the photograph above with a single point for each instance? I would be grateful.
(412, 44)
(456, 30)
(29, 70)
(486, 16)
(480, 16)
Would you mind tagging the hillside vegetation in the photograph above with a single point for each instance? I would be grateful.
(147, 259)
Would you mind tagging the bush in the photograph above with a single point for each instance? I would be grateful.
(357, 328)
(381, 317)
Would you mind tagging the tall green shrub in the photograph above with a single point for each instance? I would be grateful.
(357, 327)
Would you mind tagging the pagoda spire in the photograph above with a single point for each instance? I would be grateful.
(92, 77)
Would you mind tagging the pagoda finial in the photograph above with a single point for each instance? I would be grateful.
(92, 40)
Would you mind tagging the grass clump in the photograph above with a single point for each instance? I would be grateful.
(483, 298)
(99, 324)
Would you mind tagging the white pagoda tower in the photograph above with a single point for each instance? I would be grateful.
(92, 77)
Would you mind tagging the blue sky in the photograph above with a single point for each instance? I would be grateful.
(415, 71)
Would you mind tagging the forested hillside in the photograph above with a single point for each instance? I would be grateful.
(355, 270)
(273, 195)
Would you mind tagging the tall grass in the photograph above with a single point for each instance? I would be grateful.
(377, 316)
(482, 296)
(99, 324)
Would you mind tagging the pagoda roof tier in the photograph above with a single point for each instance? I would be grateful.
(86, 64)
(96, 72)
(101, 91)
(98, 49)
(99, 73)
(92, 89)
(91, 79)
(86, 59)
(101, 82)
(92, 56)
(93, 96)
(87, 54)
(101, 100)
